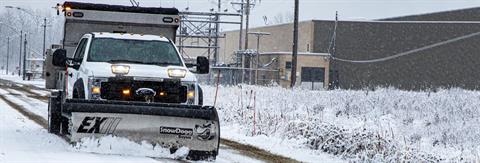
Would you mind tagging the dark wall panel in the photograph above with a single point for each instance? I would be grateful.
(452, 65)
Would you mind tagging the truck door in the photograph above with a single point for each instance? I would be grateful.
(74, 72)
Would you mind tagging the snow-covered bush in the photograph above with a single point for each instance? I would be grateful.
(385, 125)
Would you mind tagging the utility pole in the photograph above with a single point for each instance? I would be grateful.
(247, 12)
(333, 82)
(8, 53)
(24, 56)
(259, 35)
(217, 30)
(247, 59)
(241, 28)
(240, 41)
(44, 35)
(20, 54)
(1, 33)
(295, 47)
(209, 39)
(44, 42)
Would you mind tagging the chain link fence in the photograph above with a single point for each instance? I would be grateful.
(236, 75)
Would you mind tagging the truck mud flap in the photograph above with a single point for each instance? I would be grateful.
(168, 125)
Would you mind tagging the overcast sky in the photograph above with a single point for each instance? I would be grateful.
(310, 9)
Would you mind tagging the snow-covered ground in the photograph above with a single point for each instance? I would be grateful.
(22, 140)
(383, 125)
(279, 145)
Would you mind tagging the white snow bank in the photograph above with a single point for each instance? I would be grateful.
(382, 125)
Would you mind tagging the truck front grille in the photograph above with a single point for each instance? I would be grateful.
(167, 91)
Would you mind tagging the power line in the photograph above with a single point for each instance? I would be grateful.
(410, 51)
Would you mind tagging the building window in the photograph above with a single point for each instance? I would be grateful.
(313, 74)
(288, 65)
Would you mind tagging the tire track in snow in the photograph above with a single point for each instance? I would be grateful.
(28, 90)
(32, 116)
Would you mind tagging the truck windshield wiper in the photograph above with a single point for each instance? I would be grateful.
(125, 61)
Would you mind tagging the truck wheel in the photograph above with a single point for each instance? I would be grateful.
(54, 113)
(201, 155)
(64, 126)
(78, 92)
(200, 96)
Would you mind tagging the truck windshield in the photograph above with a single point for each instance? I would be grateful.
(133, 51)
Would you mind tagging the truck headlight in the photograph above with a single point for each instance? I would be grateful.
(191, 94)
(95, 87)
(120, 69)
(177, 73)
(96, 90)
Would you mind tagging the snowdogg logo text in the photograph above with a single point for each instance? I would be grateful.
(176, 131)
(99, 125)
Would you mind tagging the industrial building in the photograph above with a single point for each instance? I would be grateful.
(427, 51)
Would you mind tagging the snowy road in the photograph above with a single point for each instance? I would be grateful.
(24, 140)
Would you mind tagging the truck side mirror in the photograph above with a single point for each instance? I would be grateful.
(203, 65)
(60, 58)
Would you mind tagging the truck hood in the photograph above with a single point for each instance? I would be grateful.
(102, 69)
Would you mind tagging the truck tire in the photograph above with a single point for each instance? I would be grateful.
(200, 96)
(201, 155)
(54, 113)
(64, 130)
(78, 90)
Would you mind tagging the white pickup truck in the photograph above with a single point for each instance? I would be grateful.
(118, 72)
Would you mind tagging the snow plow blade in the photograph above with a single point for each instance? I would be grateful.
(169, 125)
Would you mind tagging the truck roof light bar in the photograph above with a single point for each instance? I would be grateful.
(120, 8)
